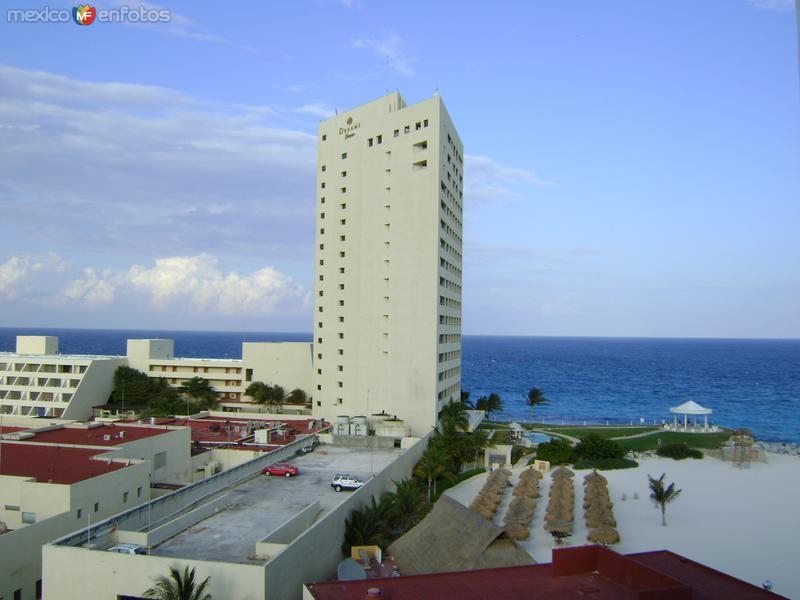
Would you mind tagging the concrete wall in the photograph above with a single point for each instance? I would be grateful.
(70, 575)
(287, 364)
(176, 442)
(315, 555)
(37, 344)
(139, 352)
(94, 389)
(21, 552)
(174, 526)
(56, 507)
(114, 492)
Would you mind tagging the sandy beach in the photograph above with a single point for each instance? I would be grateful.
(744, 522)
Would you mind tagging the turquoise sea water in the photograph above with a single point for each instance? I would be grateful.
(753, 383)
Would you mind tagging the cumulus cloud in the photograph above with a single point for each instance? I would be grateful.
(129, 168)
(197, 283)
(17, 272)
(91, 289)
(389, 49)
(487, 180)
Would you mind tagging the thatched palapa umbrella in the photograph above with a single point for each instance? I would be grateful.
(603, 535)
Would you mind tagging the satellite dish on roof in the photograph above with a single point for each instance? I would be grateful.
(350, 570)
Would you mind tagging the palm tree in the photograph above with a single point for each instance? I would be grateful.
(276, 397)
(495, 402)
(465, 400)
(475, 442)
(297, 396)
(536, 398)
(454, 418)
(367, 527)
(179, 586)
(661, 496)
(258, 391)
(408, 503)
(432, 464)
(262, 393)
(199, 390)
(490, 403)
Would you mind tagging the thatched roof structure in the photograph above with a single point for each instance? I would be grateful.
(603, 535)
(562, 472)
(530, 474)
(594, 476)
(453, 538)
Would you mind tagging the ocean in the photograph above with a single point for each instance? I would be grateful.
(747, 383)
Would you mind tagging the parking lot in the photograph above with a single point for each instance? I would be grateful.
(261, 504)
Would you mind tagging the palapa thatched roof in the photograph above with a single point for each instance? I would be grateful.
(453, 538)
(530, 474)
(594, 476)
(562, 472)
(603, 535)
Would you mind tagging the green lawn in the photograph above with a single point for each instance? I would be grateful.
(603, 432)
(499, 437)
(693, 440)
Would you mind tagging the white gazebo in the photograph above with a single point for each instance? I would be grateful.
(690, 408)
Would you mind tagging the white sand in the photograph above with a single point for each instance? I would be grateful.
(744, 522)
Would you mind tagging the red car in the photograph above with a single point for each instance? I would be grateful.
(280, 469)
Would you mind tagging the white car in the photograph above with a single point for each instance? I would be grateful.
(128, 549)
(343, 481)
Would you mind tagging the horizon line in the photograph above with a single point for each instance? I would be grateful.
(504, 335)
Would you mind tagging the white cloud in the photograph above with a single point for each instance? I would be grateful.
(17, 272)
(486, 180)
(317, 109)
(773, 4)
(92, 290)
(389, 49)
(195, 284)
(133, 168)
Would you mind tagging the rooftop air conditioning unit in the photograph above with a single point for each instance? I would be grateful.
(122, 434)
(106, 437)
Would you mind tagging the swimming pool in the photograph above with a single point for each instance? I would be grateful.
(538, 438)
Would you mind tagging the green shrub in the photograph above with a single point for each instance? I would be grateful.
(593, 447)
(518, 452)
(557, 451)
(606, 464)
(678, 452)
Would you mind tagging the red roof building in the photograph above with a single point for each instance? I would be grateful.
(583, 572)
(53, 464)
(97, 435)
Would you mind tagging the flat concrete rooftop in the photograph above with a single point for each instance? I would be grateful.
(262, 504)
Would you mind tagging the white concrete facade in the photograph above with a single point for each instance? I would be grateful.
(37, 381)
(53, 510)
(387, 316)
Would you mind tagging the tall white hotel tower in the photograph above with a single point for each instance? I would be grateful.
(387, 317)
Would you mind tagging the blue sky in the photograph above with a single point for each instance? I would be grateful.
(631, 168)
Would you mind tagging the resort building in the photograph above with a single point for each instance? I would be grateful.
(287, 364)
(38, 381)
(255, 537)
(60, 478)
(387, 316)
